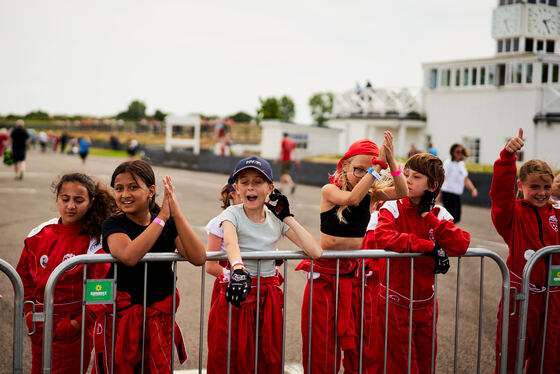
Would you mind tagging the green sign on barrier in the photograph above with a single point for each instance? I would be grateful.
(555, 275)
(99, 291)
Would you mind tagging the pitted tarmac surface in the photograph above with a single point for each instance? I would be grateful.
(25, 204)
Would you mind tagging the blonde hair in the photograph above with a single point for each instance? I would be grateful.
(340, 175)
(533, 167)
(225, 197)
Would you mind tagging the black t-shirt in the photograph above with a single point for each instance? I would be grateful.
(130, 279)
(19, 137)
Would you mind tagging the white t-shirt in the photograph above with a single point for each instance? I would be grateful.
(256, 237)
(455, 174)
(214, 227)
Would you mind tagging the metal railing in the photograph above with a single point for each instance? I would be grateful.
(524, 307)
(280, 255)
(18, 315)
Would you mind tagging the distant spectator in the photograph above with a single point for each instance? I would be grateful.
(63, 141)
(432, 150)
(456, 178)
(20, 141)
(84, 143)
(114, 141)
(43, 140)
(132, 148)
(4, 140)
(286, 156)
(413, 150)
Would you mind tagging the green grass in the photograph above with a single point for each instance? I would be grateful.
(107, 152)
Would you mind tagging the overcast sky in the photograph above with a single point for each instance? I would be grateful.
(219, 56)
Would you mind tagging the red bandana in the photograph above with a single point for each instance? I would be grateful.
(361, 147)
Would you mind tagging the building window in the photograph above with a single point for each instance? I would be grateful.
(473, 145)
(474, 71)
(491, 70)
(529, 45)
(502, 2)
(466, 77)
(457, 77)
(515, 44)
(508, 45)
(529, 73)
(517, 73)
(552, 2)
(544, 76)
(500, 74)
(555, 73)
(540, 45)
(532, 1)
(442, 78)
(448, 77)
(550, 46)
(432, 79)
(482, 76)
(500, 46)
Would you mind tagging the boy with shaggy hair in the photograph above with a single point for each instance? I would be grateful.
(414, 224)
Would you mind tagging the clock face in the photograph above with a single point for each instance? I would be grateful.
(543, 21)
(505, 21)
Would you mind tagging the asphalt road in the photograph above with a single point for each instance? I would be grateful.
(27, 203)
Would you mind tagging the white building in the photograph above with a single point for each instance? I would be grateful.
(310, 140)
(478, 102)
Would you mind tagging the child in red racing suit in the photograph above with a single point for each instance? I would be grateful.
(83, 205)
(527, 224)
(413, 224)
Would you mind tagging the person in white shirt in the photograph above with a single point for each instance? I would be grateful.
(456, 178)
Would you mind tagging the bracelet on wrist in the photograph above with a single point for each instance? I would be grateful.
(159, 221)
(237, 263)
(375, 174)
(395, 173)
(376, 161)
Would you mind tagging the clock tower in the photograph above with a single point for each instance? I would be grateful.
(526, 26)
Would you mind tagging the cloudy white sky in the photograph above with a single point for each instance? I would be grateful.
(220, 56)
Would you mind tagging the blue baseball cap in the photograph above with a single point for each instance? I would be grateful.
(254, 162)
(230, 182)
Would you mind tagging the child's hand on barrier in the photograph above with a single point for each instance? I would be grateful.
(441, 260)
(282, 207)
(427, 202)
(238, 287)
(515, 144)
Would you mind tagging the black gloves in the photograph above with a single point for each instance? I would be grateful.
(282, 208)
(441, 260)
(238, 287)
(427, 203)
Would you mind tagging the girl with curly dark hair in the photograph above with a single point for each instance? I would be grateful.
(83, 205)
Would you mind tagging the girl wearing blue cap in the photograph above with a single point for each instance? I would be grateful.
(250, 227)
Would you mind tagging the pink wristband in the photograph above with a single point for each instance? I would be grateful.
(237, 263)
(159, 221)
(395, 173)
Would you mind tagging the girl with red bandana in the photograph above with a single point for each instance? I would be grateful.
(346, 206)
(527, 222)
(83, 204)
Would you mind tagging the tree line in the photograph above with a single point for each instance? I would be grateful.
(282, 108)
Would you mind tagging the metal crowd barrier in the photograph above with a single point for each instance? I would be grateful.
(524, 307)
(281, 255)
(18, 315)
